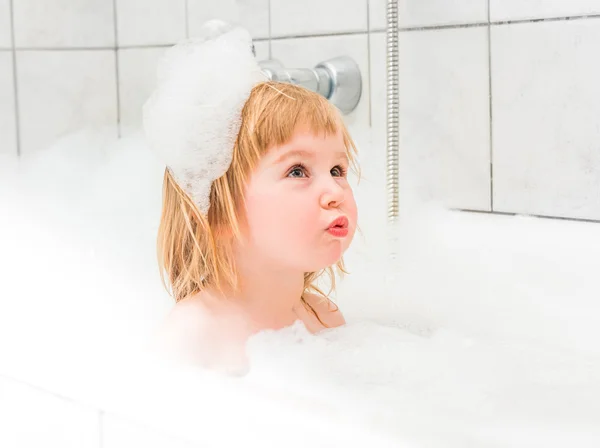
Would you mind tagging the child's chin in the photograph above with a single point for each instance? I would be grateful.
(324, 263)
(323, 259)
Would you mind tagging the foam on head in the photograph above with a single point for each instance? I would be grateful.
(193, 118)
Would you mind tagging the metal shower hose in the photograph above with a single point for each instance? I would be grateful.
(393, 111)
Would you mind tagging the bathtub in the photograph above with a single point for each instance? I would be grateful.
(482, 330)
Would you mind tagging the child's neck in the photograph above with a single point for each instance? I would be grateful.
(269, 294)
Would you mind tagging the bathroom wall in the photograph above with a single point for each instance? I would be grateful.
(499, 102)
(65, 66)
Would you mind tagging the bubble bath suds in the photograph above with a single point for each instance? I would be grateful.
(482, 332)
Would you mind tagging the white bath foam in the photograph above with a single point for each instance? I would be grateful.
(192, 119)
(443, 389)
(481, 333)
(75, 270)
(493, 276)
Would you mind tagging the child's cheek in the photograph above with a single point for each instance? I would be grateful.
(270, 211)
(293, 214)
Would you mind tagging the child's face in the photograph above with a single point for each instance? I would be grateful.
(294, 194)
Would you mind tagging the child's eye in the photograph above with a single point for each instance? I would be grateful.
(338, 171)
(297, 171)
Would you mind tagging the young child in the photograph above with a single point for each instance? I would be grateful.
(249, 222)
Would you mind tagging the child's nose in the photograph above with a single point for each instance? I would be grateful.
(332, 195)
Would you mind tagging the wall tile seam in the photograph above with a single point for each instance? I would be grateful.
(493, 23)
(15, 79)
(528, 215)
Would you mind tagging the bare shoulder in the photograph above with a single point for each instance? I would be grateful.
(184, 332)
(195, 333)
(328, 312)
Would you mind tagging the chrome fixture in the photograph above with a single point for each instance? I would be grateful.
(337, 79)
(393, 112)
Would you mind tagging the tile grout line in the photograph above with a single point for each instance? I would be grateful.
(442, 27)
(67, 48)
(547, 19)
(488, 23)
(495, 23)
(527, 215)
(347, 33)
(145, 46)
(117, 79)
(343, 33)
(187, 19)
(121, 47)
(369, 62)
(15, 81)
(490, 99)
(270, 34)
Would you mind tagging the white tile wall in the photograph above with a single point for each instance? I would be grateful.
(150, 22)
(535, 9)
(64, 23)
(298, 18)
(545, 118)
(262, 50)
(120, 433)
(309, 51)
(8, 126)
(33, 418)
(5, 25)
(137, 80)
(413, 13)
(252, 14)
(543, 144)
(444, 113)
(62, 91)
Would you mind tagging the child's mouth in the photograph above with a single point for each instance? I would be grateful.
(339, 232)
(339, 227)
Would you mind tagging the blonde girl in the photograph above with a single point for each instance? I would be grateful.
(243, 255)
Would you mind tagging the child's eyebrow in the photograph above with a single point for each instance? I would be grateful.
(341, 155)
(294, 153)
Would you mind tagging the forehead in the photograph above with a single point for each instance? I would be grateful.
(308, 141)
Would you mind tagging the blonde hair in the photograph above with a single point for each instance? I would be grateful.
(190, 251)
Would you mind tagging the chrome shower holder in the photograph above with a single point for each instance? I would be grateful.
(338, 79)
